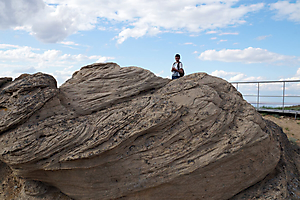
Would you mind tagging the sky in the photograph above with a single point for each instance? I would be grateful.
(236, 40)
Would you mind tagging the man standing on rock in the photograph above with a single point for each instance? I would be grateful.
(177, 68)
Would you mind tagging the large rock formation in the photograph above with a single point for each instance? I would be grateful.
(112, 132)
(284, 181)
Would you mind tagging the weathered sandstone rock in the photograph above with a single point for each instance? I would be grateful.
(112, 132)
(284, 181)
(4, 81)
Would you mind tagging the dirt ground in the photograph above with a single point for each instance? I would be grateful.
(289, 125)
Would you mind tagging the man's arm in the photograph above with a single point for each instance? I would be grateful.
(174, 69)
(180, 69)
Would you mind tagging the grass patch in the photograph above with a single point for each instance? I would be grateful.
(293, 140)
(287, 129)
(276, 115)
(285, 108)
(265, 114)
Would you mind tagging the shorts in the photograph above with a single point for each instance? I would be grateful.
(175, 77)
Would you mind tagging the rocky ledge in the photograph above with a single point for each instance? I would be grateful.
(112, 132)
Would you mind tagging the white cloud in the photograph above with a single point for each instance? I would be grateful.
(238, 76)
(228, 33)
(190, 43)
(293, 88)
(49, 24)
(230, 76)
(14, 13)
(69, 43)
(222, 73)
(102, 59)
(62, 75)
(234, 76)
(138, 17)
(135, 32)
(213, 38)
(8, 46)
(298, 73)
(222, 41)
(211, 32)
(102, 28)
(263, 37)
(15, 60)
(159, 73)
(29, 54)
(8, 71)
(295, 77)
(248, 55)
(287, 10)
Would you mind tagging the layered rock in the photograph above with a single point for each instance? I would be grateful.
(284, 181)
(112, 132)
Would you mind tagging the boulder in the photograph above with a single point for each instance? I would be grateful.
(112, 132)
(4, 81)
(284, 181)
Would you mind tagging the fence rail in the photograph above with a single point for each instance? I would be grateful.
(283, 97)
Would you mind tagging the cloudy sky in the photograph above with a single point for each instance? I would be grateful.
(236, 40)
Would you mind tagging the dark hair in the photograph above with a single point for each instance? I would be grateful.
(177, 55)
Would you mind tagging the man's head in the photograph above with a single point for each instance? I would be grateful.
(177, 57)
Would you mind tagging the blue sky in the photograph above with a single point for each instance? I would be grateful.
(235, 40)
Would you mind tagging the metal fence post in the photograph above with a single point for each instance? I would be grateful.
(257, 101)
(283, 91)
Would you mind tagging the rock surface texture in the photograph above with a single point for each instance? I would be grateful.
(112, 132)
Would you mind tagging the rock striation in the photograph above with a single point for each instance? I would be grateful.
(284, 181)
(112, 132)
